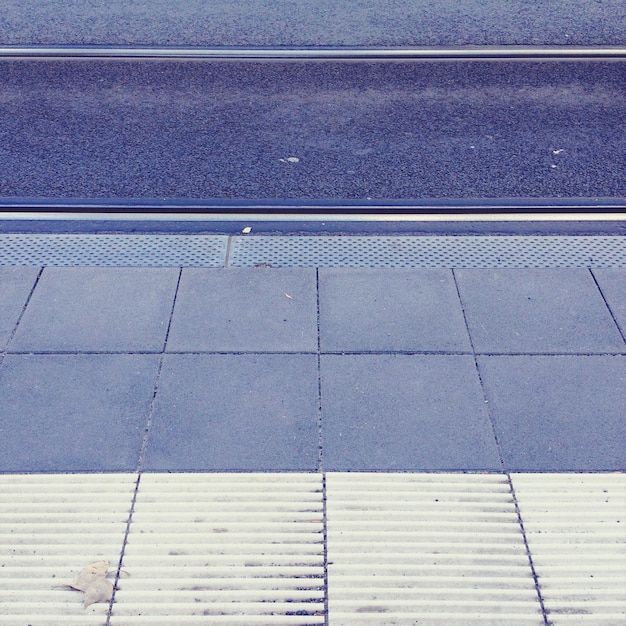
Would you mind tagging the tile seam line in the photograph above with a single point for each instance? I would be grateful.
(477, 370)
(155, 389)
(608, 306)
(227, 251)
(520, 521)
(118, 570)
(142, 452)
(320, 439)
(303, 352)
(321, 447)
(529, 556)
(23, 311)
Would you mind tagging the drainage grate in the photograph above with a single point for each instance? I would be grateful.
(114, 250)
(426, 548)
(576, 530)
(430, 252)
(224, 549)
(51, 526)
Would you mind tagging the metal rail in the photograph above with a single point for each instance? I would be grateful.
(230, 215)
(345, 207)
(482, 53)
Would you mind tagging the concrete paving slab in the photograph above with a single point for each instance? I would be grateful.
(16, 284)
(404, 412)
(98, 309)
(558, 413)
(541, 311)
(235, 412)
(245, 310)
(395, 310)
(612, 284)
(74, 412)
(313, 22)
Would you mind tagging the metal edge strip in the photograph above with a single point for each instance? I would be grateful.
(314, 217)
(489, 53)
(287, 207)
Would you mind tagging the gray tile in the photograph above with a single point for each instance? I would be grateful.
(558, 413)
(74, 412)
(15, 285)
(404, 310)
(235, 310)
(404, 412)
(540, 310)
(236, 412)
(101, 309)
(613, 285)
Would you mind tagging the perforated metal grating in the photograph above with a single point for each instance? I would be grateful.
(314, 251)
(114, 250)
(430, 252)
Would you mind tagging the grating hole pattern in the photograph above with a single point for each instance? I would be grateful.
(314, 251)
(114, 250)
(576, 530)
(430, 251)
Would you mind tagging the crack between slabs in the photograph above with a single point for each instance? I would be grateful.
(480, 380)
(142, 452)
(325, 535)
(320, 442)
(320, 467)
(23, 311)
(520, 521)
(529, 555)
(118, 571)
(608, 306)
(227, 252)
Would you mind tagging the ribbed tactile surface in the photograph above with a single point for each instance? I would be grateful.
(51, 526)
(576, 530)
(114, 250)
(224, 549)
(430, 251)
(409, 549)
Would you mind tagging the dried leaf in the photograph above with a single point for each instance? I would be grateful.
(92, 572)
(92, 580)
(100, 590)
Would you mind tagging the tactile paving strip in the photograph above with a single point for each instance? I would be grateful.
(576, 530)
(430, 251)
(224, 549)
(387, 548)
(114, 250)
(409, 549)
(51, 526)
(315, 251)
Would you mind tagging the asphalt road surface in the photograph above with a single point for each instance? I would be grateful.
(313, 22)
(92, 129)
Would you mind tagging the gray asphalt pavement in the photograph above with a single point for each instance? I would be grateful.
(312, 130)
(313, 22)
